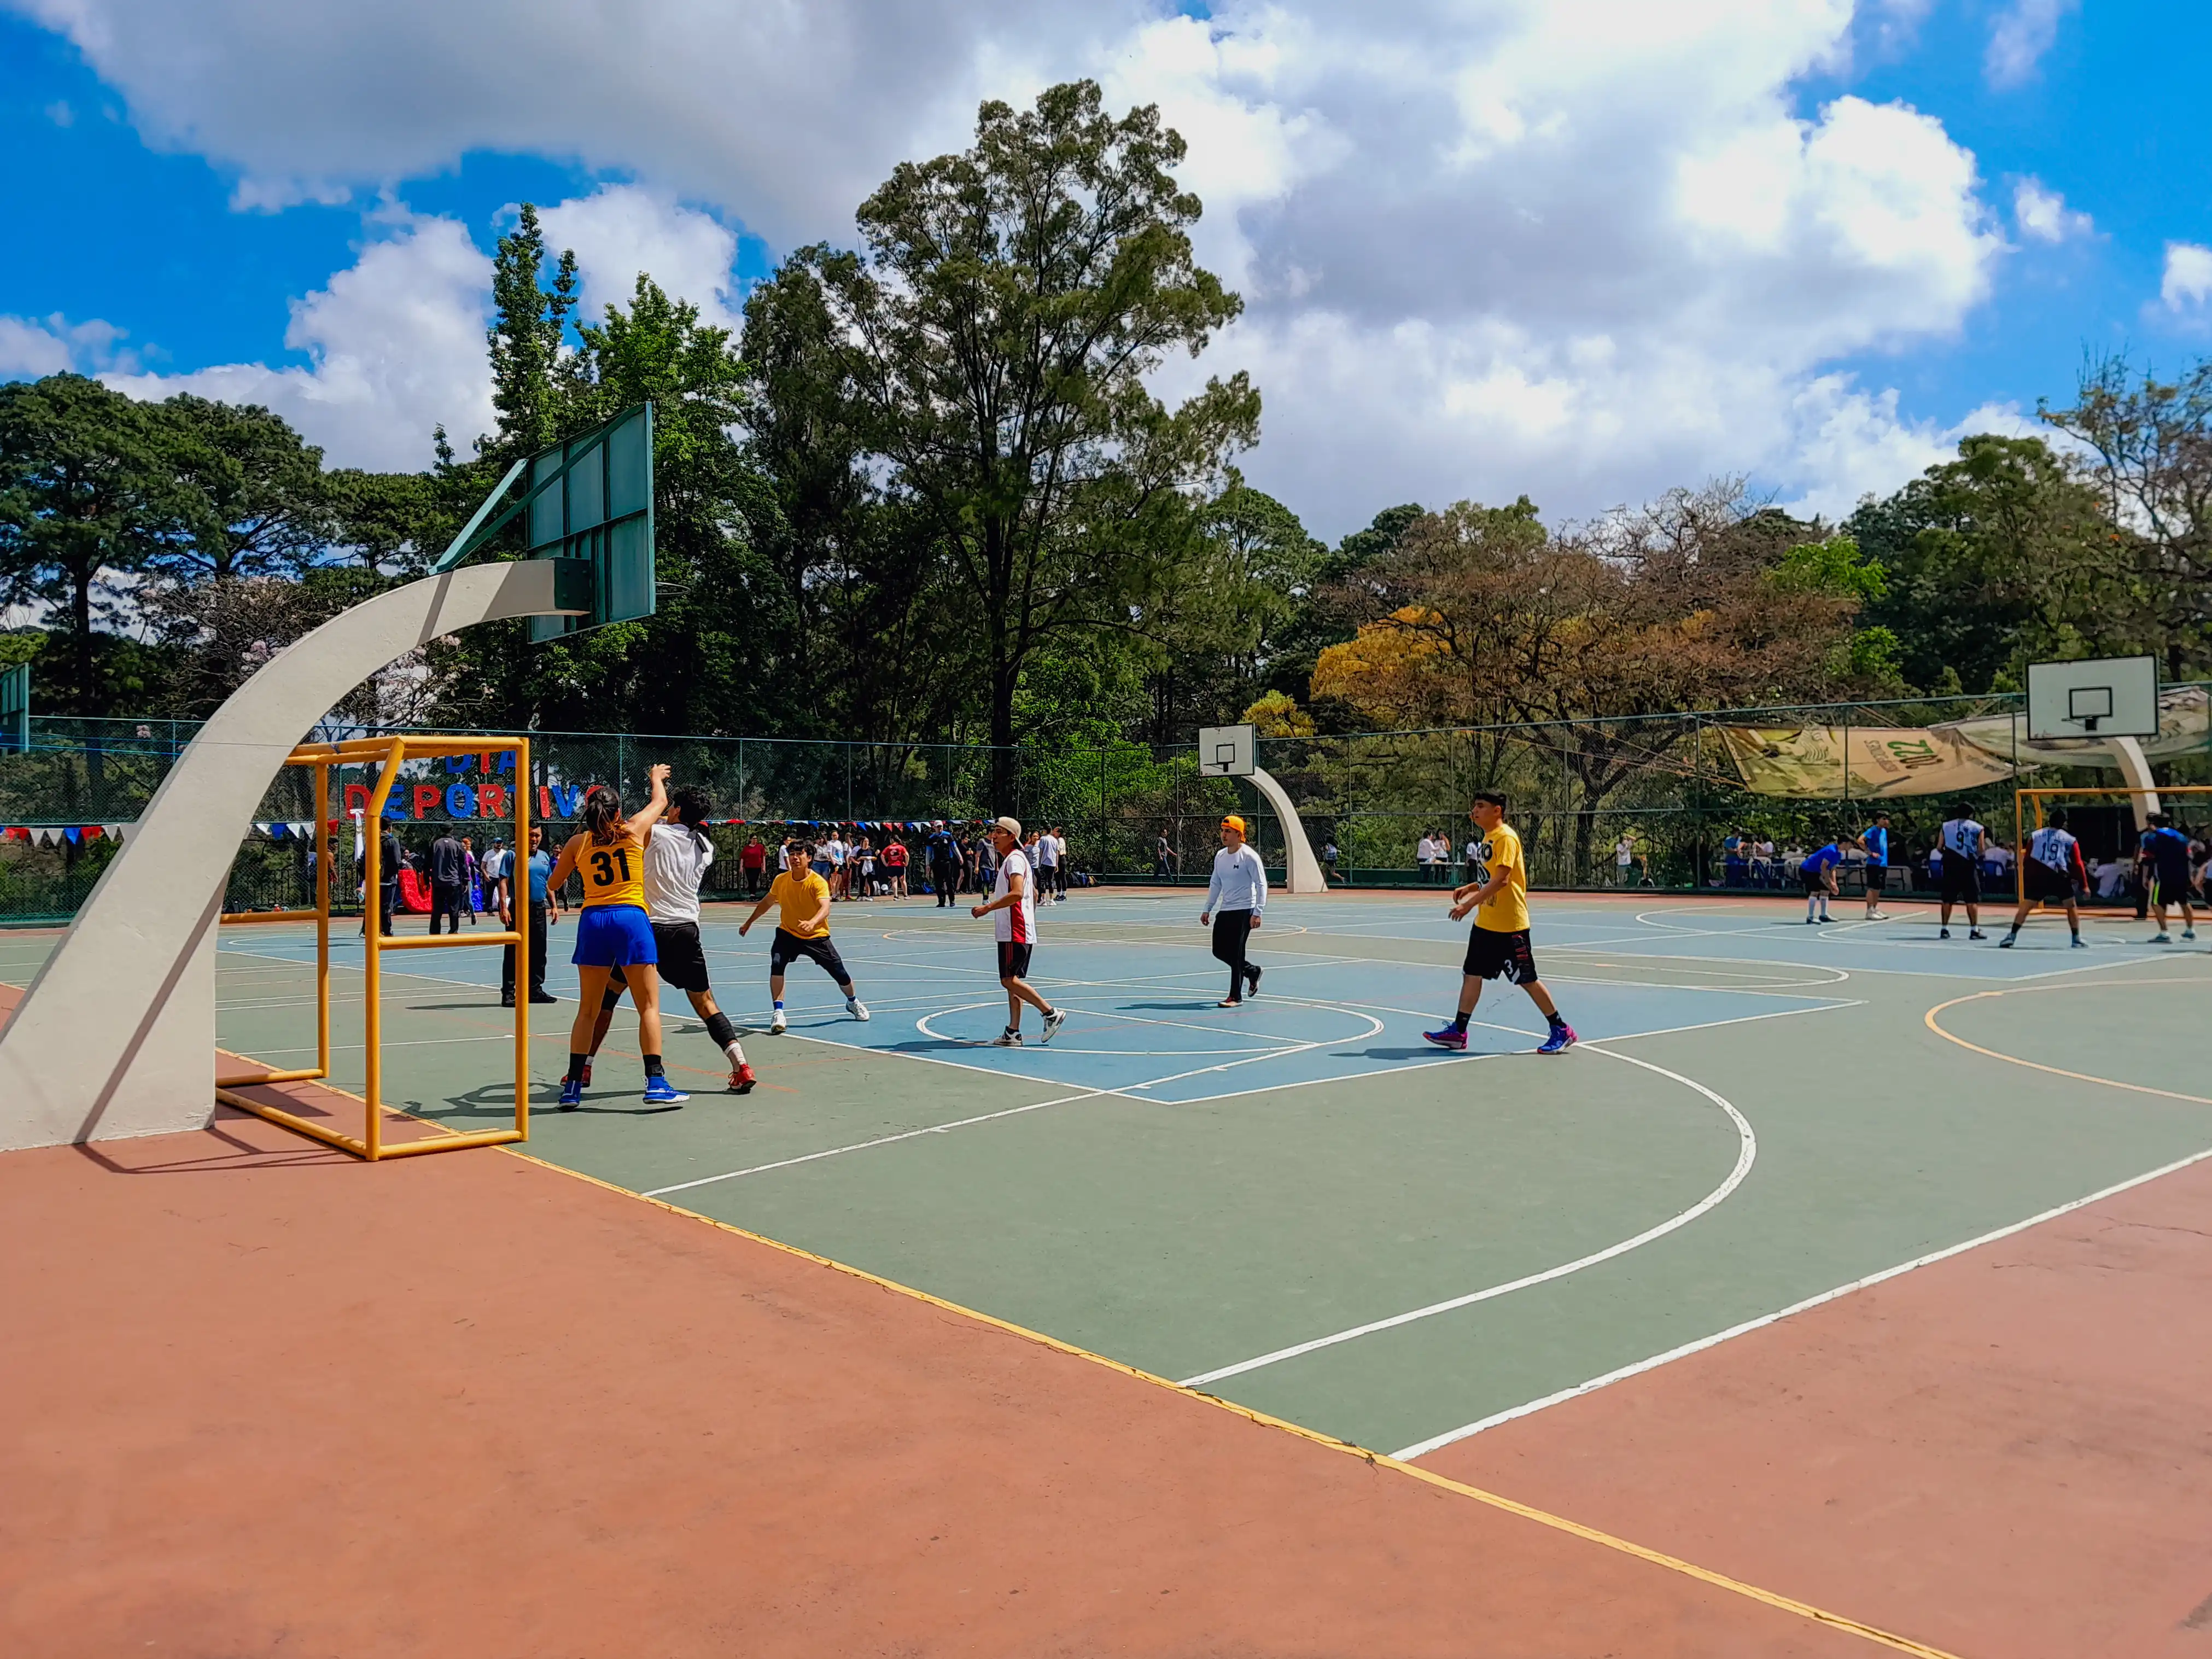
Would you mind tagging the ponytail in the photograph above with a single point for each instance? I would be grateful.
(691, 813)
(602, 815)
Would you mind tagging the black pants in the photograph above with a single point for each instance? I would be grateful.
(944, 880)
(1232, 938)
(446, 898)
(537, 931)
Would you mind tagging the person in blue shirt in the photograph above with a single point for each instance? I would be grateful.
(1874, 841)
(2167, 850)
(1818, 872)
(538, 866)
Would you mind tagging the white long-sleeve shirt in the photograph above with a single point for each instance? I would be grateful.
(1240, 881)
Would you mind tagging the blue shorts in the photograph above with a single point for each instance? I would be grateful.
(614, 936)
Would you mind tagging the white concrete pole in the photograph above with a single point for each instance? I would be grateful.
(1301, 869)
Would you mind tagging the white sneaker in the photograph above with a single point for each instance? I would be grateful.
(1877, 915)
(1007, 1040)
(775, 1026)
(1052, 1022)
(855, 1007)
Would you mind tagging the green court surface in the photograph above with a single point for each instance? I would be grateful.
(1299, 1205)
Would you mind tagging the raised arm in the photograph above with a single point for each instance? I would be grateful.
(641, 821)
(565, 866)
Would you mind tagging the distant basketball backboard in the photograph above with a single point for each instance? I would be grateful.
(16, 710)
(1227, 751)
(2101, 697)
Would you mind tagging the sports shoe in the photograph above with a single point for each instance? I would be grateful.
(660, 1091)
(775, 1026)
(742, 1080)
(585, 1081)
(2008, 941)
(1007, 1039)
(2079, 944)
(1450, 1037)
(1877, 915)
(543, 996)
(1942, 933)
(1562, 1039)
(2161, 938)
(2189, 933)
(1810, 921)
(1052, 1022)
(858, 1009)
(1252, 980)
(1975, 932)
(572, 1093)
(1230, 1002)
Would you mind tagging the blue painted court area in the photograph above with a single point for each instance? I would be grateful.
(1298, 1203)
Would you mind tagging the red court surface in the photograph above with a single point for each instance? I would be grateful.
(262, 1398)
(2006, 1453)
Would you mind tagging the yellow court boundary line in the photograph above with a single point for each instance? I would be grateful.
(1929, 1019)
(1542, 1517)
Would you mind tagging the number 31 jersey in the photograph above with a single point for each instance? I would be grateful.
(613, 874)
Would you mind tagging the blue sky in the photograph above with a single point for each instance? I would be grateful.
(1489, 281)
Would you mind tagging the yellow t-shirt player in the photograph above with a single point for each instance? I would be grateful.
(1499, 943)
(802, 929)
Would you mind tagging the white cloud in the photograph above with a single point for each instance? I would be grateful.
(395, 345)
(33, 346)
(621, 230)
(2042, 213)
(1585, 248)
(2188, 281)
(2020, 36)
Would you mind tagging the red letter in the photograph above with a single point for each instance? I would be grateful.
(491, 800)
(427, 795)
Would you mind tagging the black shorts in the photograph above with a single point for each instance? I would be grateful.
(1493, 955)
(682, 963)
(2170, 884)
(1877, 878)
(2040, 881)
(1013, 959)
(784, 949)
(1962, 879)
(1816, 881)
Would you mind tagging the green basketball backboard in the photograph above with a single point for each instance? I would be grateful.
(16, 710)
(589, 507)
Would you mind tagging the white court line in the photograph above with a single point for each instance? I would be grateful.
(1746, 1155)
(1436, 1443)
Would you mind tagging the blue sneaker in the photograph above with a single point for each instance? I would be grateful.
(1562, 1039)
(660, 1091)
(1450, 1037)
(2081, 943)
(572, 1093)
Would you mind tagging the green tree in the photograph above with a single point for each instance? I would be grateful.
(87, 499)
(252, 497)
(1014, 298)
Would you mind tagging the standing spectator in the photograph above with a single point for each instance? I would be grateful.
(894, 860)
(971, 862)
(1164, 857)
(987, 863)
(1763, 873)
(1328, 859)
(1424, 855)
(448, 870)
(1046, 861)
(392, 859)
(943, 849)
(1059, 862)
(752, 861)
(521, 878)
(840, 854)
(471, 879)
(1624, 858)
(864, 866)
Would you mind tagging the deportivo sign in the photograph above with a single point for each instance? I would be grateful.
(463, 799)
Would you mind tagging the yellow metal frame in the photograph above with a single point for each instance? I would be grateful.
(2019, 825)
(388, 754)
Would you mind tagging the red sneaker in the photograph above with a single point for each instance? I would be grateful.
(742, 1080)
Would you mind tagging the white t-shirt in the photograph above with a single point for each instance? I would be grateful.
(1624, 852)
(1426, 852)
(676, 862)
(1047, 851)
(1961, 838)
(2053, 849)
(1017, 923)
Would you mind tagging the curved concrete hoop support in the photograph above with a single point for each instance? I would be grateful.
(1301, 869)
(116, 1037)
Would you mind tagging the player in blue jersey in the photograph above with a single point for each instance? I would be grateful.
(1818, 873)
(1874, 841)
(2165, 849)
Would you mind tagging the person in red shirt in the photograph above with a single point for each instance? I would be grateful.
(893, 858)
(753, 861)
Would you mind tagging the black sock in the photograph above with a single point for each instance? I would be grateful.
(575, 1066)
(1557, 1018)
(653, 1065)
(1459, 1022)
(720, 1029)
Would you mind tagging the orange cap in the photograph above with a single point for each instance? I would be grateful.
(1232, 822)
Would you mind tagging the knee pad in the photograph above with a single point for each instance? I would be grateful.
(720, 1029)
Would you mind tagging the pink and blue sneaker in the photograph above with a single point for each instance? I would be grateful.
(1451, 1036)
(1562, 1039)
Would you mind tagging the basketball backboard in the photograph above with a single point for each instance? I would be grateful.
(16, 710)
(1227, 751)
(597, 505)
(2101, 697)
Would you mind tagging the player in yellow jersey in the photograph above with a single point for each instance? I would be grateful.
(612, 931)
(1498, 946)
